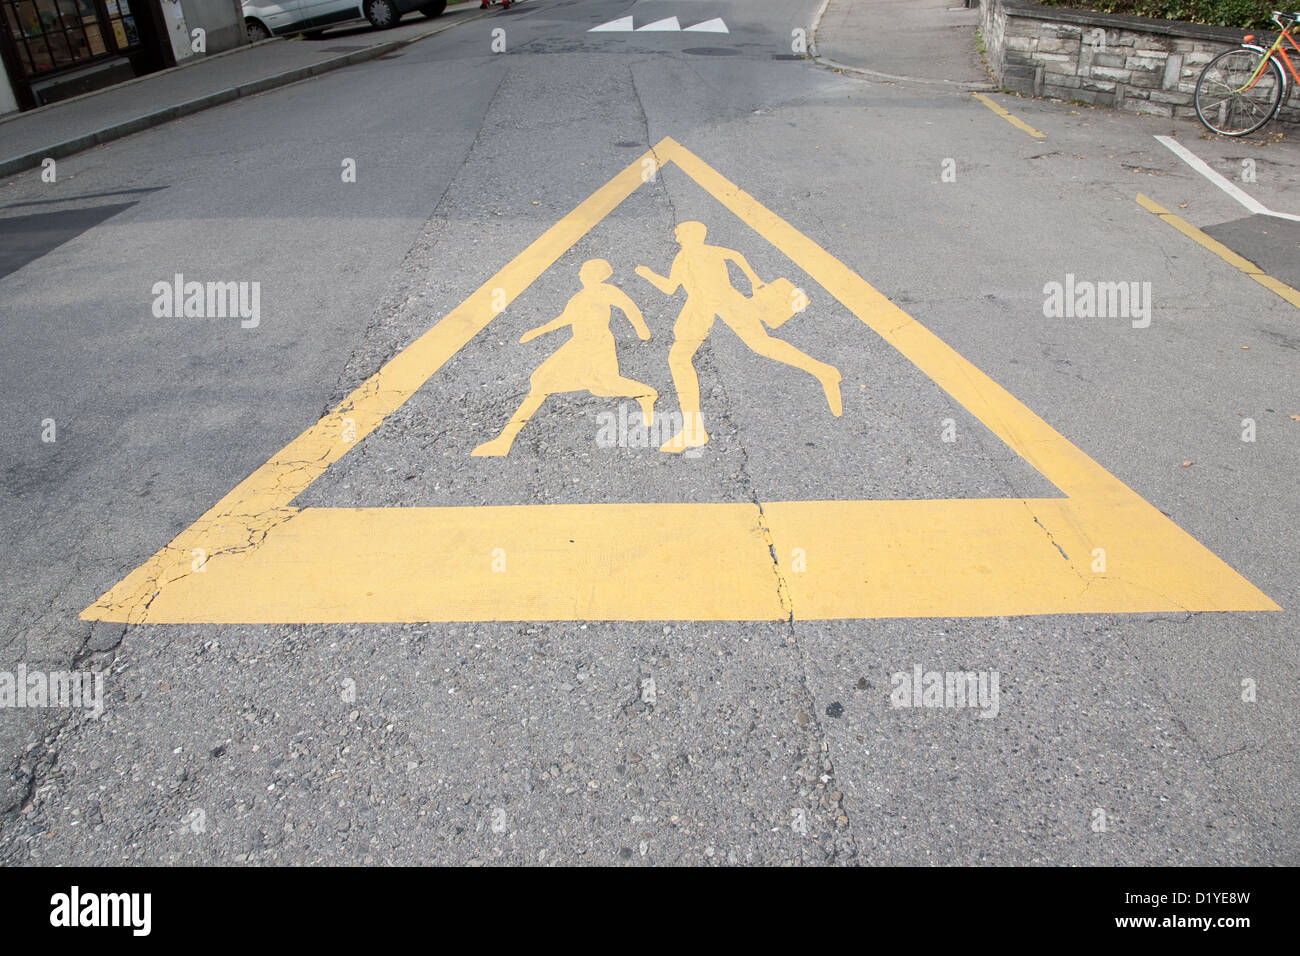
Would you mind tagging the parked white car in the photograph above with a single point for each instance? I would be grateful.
(265, 18)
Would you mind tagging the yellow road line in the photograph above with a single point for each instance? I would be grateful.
(1010, 118)
(708, 561)
(1220, 250)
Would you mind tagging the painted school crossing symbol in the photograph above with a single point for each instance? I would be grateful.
(263, 559)
(588, 361)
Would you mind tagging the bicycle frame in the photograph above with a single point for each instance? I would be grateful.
(1276, 50)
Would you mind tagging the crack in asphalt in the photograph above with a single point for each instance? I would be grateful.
(705, 358)
(1050, 537)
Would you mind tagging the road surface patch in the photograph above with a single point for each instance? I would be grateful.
(1274, 285)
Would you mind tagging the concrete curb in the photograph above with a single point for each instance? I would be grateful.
(18, 164)
(187, 64)
(985, 87)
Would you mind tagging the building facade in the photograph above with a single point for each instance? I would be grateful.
(55, 49)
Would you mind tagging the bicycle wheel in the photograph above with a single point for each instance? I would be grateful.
(1225, 105)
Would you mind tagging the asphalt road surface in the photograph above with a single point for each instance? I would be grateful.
(328, 632)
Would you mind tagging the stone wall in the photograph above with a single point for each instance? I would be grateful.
(1131, 63)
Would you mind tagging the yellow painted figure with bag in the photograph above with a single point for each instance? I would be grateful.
(701, 269)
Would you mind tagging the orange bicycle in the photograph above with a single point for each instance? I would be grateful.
(1241, 90)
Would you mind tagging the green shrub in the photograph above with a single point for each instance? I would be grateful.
(1248, 14)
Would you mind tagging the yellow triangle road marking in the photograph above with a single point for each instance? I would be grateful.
(255, 557)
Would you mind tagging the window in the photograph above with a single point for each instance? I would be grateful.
(53, 34)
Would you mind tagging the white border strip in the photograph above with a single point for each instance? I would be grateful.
(1229, 187)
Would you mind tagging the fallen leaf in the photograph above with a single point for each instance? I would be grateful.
(1187, 464)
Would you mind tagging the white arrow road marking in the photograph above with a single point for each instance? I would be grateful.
(622, 24)
(667, 24)
(709, 26)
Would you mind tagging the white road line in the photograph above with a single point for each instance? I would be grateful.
(1229, 187)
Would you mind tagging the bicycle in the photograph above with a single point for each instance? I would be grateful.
(1240, 90)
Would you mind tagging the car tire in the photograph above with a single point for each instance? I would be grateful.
(434, 9)
(382, 14)
(256, 31)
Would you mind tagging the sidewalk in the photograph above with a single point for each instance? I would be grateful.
(926, 41)
(71, 126)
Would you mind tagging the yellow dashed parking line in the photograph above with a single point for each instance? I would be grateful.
(1013, 120)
